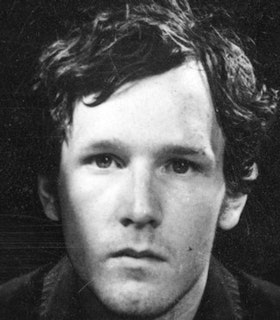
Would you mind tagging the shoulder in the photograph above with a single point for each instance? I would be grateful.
(233, 294)
(260, 299)
(20, 297)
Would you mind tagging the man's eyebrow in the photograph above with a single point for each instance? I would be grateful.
(105, 144)
(161, 151)
(181, 150)
(201, 154)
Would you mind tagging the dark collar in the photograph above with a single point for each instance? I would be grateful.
(59, 294)
(60, 300)
(221, 298)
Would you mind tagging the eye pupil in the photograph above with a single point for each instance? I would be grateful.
(180, 166)
(103, 161)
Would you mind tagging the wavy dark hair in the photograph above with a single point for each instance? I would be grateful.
(110, 45)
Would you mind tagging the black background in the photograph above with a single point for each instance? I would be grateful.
(27, 238)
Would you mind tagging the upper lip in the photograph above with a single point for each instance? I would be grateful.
(129, 252)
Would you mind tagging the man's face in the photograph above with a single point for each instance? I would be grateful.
(141, 186)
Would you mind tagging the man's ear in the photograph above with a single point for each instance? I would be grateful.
(47, 195)
(231, 210)
(234, 204)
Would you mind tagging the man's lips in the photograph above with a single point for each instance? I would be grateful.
(144, 254)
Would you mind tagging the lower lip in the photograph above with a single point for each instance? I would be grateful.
(142, 260)
(136, 269)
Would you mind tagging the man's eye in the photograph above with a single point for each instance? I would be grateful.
(179, 166)
(105, 161)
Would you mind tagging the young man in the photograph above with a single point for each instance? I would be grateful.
(154, 123)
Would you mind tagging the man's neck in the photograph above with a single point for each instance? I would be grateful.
(185, 309)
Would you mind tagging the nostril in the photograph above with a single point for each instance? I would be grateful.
(139, 223)
(126, 222)
(154, 223)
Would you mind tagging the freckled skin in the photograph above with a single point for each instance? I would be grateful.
(138, 199)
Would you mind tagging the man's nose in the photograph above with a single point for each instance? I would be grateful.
(144, 208)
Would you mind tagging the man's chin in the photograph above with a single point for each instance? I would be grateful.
(136, 302)
(135, 308)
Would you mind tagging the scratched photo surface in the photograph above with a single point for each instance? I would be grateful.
(27, 238)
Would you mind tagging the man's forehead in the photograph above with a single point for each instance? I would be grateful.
(175, 106)
(188, 82)
(174, 75)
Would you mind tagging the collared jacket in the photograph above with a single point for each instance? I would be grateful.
(50, 293)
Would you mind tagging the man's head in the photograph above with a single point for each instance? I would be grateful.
(155, 123)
